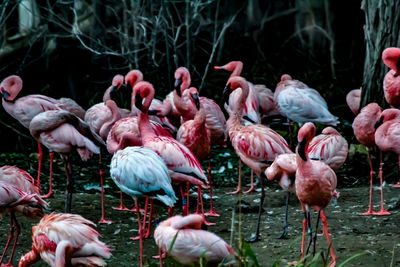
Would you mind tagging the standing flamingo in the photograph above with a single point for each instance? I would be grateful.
(391, 82)
(139, 171)
(364, 131)
(256, 145)
(353, 99)
(387, 134)
(185, 240)
(65, 239)
(18, 194)
(315, 186)
(65, 133)
(25, 108)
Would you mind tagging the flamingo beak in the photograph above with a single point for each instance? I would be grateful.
(301, 149)
(114, 88)
(227, 92)
(138, 102)
(196, 100)
(218, 67)
(379, 122)
(5, 94)
(152, 112)
(177, 86)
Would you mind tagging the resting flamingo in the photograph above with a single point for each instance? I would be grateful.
(65, 133)
(315, 187)
(18, 195)
(256, 145)
(364, 131)
(191, 242)
(140, 172)
(64, 239)
(25, 108)
(353, 99)
(391, 82)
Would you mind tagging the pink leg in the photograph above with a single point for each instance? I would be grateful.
(198, 200)
(144, 219)
(251, 189)
(328, 238)
(382, 211)
(147, 235)
(371, 175)
(10, 237)
(239, 187)
(102, 219)
(50, 193)
(17, 232)
(140, 234)
(121, 205)
(303, 236)
(184, 202)
(202, 209)
(398, 183)
(211, 212)
(39, 165)
(187, 198)
(170, 212)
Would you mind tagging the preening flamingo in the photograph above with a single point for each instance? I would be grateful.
(364, 131)
(66, 239)
(315, 187)
(65, 133)
(391, 82)
(191, 242)
(256, 145)
(18, 195)
(388, 132)
(25, 108)
(353, 99)
(140, 172)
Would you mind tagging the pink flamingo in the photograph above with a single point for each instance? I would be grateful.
(139, 171)
(256, 145)
(65, 133)
(391, 82)
(195, 135)
(25, 108)
(315, 185)
(364, 131)
(182, 164)
(190, 242)
(353, 99)
(66, 240)
(386, 135)
(18, 194)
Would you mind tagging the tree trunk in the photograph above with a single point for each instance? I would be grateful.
(381, 30)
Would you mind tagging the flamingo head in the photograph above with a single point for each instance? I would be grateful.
(286, 77)
(388, 115)
(182, 80)
(391, 58)
(330, 131)
(306, 133)
(117, 83)
(194, 94)
(133, 77)
(10, 87)
(232, 84)
(143, 91)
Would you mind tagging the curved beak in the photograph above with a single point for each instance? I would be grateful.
(218, 67)
(301, 149)
(138, 102)
(378, 123)
(177, 86)
(227, 92)
(5, 95)
(196, 100)
(113, 89)
(153, 112)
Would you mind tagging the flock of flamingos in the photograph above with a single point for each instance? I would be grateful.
(157, 146)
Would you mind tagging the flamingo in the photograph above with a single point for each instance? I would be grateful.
(256, 145)
(353, 99)
(190, 242)
(25, 108)
(18, 194)
(364, 131)
(315, 186)
(65, 133)
(391, 82)
(182, 164)
(139, 171)
(195, 135)
(386, 135)
(64, 239)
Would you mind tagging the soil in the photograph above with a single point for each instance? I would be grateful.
(351, 233)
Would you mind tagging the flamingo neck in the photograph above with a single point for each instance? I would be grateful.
(146, 131)
(200, 117)
(116, 115)
(235, 117)
(237, 69)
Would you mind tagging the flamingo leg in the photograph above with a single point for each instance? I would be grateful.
(170, 212)
(256, 236)
(147, 235)
(70, 183)
(10, 237)
(371, 174)
(316, 232)
(382, 210)
(144, 219)
(239, 186)
(285, 224)
(309, 229)
(187, 197)
(398, 183)
(251, 189)
(198, 200)
(140, 230)
(184, 202)
(328, 238)
(121, 204)
(201, 205)
(303, 236)
(160, 253)
(50, 193)
(17, 229)
(101, 172)
(211, 212)
(40, 157)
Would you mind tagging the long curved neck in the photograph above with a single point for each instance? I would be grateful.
(146, 131)
(237, 70)
(200, 117)
(235, 117)
(116, 115)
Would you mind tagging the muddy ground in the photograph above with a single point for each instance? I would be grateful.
(351, 232)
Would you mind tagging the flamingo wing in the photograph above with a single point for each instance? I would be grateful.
(19, 178)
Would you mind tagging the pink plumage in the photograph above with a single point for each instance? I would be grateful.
(283, 171)
(364, 124)
(62, 239)
(391, 82)
(353, 99)
(190, 241)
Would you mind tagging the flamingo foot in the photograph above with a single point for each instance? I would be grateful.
(209, 223)
(7, 265)
(134, 210)
(120, 207)
(237, 191)
(162, 256)
(251, 189)
(368, 212)
(49, 195)
(396, 185)
(137, 237)
(212, 213)
(102, 220)
(382, 212)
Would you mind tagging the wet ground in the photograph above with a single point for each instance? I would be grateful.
(351, 233)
